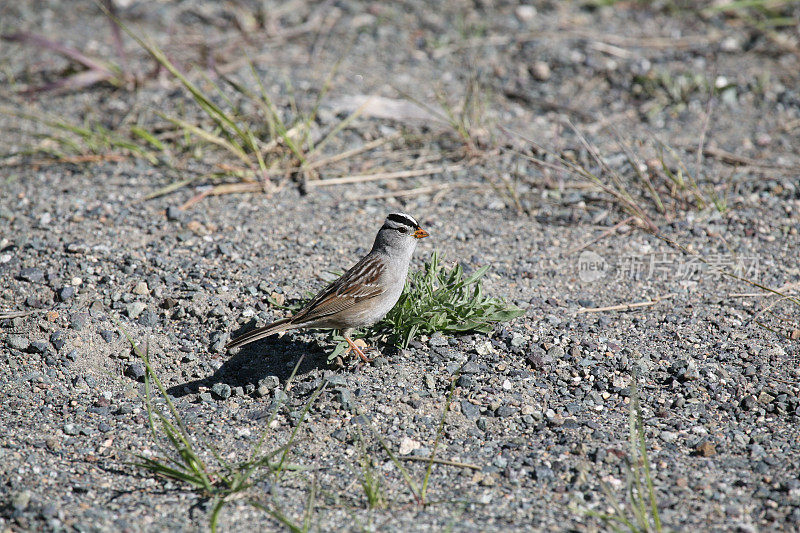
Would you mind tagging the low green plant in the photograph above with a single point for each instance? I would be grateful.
(181, 454)
(640, 513)
(442, 299)
(371, 481)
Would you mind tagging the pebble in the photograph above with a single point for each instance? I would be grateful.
(57, 340)
(78, 320)
(221, 390)
(65, 293)
(175, 213)
(525, 12)
(31, 275)
(18, 342)
(345, 398)
(20, 500)
(555, 353)
(668, 436)
(541, 71)
(134, 309)
(706, 449)
(135, 371)
(408, 445)
(141, 289)
(505, 411)
(470, 410)
(39, 346)
(148, 319)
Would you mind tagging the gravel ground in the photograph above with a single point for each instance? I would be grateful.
(541, 405)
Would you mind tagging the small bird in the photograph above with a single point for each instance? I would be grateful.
(362, 295)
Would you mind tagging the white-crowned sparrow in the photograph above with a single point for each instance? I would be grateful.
(362, 295)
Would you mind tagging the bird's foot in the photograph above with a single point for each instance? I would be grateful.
(353, 347)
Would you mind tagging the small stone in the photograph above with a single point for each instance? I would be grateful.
(221, 390)
(556, 352)
(345, 398)
(765, 398)
(78, 320)
(470, 368)
(504, 411)
(107, 335)
(525, 13)
(749, 403)
(668, 436)
(135, 371)
(18, 342)
(141, 289)
(134, 309)
(705, 449)
(174, 213)
(104, 427)
(71, 429)
(279, 397)
(470, 410)
(541, 71)
(20, 500)
(218, 342)
(408, 445)
(77, 248)
(773, 351)
(270, 382)
(465, 382)
(39, 346)
(65, 293)
(543, 473)
(437, 339)
(57, 340)
(206, 397)
(340, 435)
(692, 373)
(517, 340)
(148, 319)
(31, 275)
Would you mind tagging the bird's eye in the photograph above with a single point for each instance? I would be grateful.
(402, 229)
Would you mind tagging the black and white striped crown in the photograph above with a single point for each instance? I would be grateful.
(401, 219)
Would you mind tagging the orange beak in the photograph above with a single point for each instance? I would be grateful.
(420, 233)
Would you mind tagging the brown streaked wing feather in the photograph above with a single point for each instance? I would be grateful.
(341, 294)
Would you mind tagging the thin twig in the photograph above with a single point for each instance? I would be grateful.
(625, 307)
(384, 176)
(405, 193)
(16, 314)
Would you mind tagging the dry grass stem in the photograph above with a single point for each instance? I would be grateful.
(625, 307)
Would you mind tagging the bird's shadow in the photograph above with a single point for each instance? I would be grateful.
(272, 356)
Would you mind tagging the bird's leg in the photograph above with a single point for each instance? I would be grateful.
(352, 347)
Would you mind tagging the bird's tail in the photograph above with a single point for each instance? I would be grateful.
(259, 333)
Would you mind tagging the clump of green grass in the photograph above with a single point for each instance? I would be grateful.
(371, 481)
(90, 141)
(640, 513)
(441, 299)
(181, 455)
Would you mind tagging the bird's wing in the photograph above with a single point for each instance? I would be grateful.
(359, 283)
